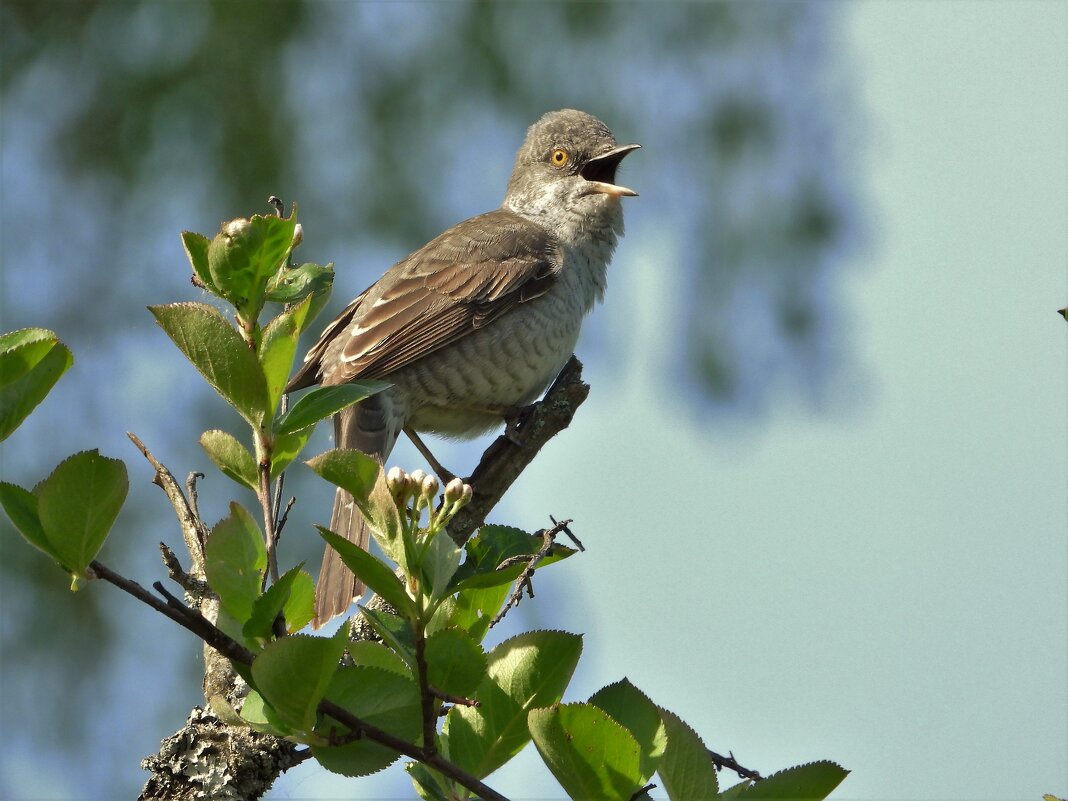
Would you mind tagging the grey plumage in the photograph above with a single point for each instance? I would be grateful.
(480, 319)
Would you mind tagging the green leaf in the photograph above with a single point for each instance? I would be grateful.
(293, 673)
(371, 572)
(293, 595)
(810, 782)
(588, 752)
(323, 402)
(527, 671)
(379, 697)
(374, 654)
(472, 610)
(278, 346)
(289, 285)
(259, 716)
(234, 561)
(633, 710)
(245, 254)
(31, 362)
(218, 352)
(363, 477)
(440, 561)
(286, 449)
(231, 457)
(494, 545)
(77, 505)
(429, 784)
(395, 632)
(732, 792)
(456, 664)
(196, 248)
(686, 770)
(21, 507)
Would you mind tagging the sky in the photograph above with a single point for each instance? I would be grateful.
(881, 579)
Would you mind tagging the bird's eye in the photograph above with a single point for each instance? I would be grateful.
(559, 157)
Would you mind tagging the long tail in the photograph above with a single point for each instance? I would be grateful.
(366, 427)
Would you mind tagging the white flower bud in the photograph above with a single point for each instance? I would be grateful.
(429, 488)
(454, 490)
(397, 482)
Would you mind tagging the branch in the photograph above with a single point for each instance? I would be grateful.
(524, 579)
(729, 762)
(505, 459)
(233, 650)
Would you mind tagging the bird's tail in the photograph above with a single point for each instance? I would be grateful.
(365, 427)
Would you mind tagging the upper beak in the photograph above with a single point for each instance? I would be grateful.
(600, 171)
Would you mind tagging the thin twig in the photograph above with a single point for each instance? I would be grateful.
(729, 762)
(642, 791)
(190, 522)
(285, 516)
(195, 588)
(524, 579)
(459, 700)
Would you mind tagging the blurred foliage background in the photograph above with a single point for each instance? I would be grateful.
(124, 123)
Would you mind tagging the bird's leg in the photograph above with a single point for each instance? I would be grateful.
(445, 475)
(515, 417)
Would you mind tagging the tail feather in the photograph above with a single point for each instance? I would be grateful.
(365, 427)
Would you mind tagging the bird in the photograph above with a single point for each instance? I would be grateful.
(476, 323)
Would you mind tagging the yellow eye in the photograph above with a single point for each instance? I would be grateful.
(558, 157)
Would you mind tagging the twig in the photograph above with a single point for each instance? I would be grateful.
(285, 515)
(188, 519)
(195, 588)
(429, 705)
(524, 579)
(642, 791)
(458, 700)
(729, 762)
(233, 650)
(194, 505)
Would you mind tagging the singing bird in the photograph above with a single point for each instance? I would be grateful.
(478, 321)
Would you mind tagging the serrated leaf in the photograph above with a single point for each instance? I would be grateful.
(379, 697)
(31, 362)
(278, 346)
(231, 457)
(371, 572)
(363, 477)
(456, 664)
(491, 547)
(293, 673)
(394, 631)
(322, 402)
(732, 792)
(810, 782)
(77, 505)
(220, 355)
(375, 654)
(235, 559)
(196, 249)
(686, 770)
(20, 505)
(589, 753)
(527, 671)
(292, 595)
(633, 710)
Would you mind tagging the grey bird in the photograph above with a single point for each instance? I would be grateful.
(480, 320)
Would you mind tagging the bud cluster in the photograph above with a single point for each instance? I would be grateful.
(417, 490)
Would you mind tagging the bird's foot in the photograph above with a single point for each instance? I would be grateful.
(515, 418)
(445, 475)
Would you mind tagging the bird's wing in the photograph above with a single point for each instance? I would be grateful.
(459, 282)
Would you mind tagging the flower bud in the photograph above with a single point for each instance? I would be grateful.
(454, 490)
(429, 488)
(397, 482)
(298, 234)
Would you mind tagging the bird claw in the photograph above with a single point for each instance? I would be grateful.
(515, 418)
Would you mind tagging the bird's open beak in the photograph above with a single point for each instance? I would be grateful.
(601, 172)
